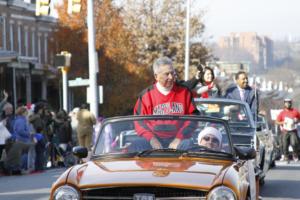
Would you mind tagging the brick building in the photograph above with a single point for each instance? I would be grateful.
(260, 48)
(26, 70)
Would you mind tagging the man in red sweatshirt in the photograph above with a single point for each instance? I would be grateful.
(164, 97)
(288, 119)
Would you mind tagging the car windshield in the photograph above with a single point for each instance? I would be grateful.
(235, 113)
(132, 136)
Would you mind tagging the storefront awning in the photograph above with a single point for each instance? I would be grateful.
(27, 59)
(7, 56)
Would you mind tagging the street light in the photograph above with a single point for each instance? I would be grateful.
(63, 61)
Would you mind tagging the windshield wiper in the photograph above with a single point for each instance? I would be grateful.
(164, 150)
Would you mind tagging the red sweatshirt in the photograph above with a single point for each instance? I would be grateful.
(290, 113)
(151, 102)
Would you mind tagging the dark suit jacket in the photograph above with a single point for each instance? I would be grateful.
(250, 97)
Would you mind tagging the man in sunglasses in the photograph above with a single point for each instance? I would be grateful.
(210, 137)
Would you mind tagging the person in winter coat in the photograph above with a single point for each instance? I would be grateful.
(21, 128)
(86, 121)
(40, 150)
(62, 129)
(207, 86)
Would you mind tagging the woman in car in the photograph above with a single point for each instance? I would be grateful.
(207, 86)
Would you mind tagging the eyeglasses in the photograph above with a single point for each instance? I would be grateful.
(212, 139)
(172, 73)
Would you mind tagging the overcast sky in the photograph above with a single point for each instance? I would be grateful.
(278, 19)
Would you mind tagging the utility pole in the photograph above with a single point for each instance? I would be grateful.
(64, 71)
(92, 59)
(187, 42)
(74, 6)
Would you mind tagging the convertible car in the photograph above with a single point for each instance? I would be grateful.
(121, 168)
(244, 130)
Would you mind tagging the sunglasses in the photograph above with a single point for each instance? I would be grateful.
(212, 139)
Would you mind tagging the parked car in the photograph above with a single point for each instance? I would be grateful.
(116, 170)
(242, 128)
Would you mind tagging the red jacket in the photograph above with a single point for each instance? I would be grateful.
(292, 113)
(151, 102)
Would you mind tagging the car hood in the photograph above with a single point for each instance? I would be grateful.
(201, 173)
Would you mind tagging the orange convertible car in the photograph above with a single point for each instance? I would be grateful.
(161, 158)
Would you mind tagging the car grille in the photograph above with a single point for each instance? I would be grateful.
(161, 193)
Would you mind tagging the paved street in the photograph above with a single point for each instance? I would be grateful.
(282, 183)
(27, 187)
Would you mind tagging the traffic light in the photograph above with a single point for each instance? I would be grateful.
(63, 59)
(42, 7)
(74, 6)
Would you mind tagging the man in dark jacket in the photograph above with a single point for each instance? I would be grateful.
(242, 91)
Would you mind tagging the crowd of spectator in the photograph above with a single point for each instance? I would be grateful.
(34, 137)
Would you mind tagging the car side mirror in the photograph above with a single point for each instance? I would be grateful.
(80, 152)
(245, 153)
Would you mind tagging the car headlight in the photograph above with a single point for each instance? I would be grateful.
(66, 193)
(221, 193)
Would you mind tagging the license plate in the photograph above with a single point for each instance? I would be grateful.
(143, 196)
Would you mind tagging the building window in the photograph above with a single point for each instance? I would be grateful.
(46, 48)
(33, 43)
(4, 32)
(51, 50)
(26, 41)
(39, 48)
(19, 39)
(11, 35)
(15, 32)
(1, 32)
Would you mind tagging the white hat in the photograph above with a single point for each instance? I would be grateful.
(210, 131)
(75, 110)
(287, 99)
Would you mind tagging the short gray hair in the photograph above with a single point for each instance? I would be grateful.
(161, 61)
(7, 105)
